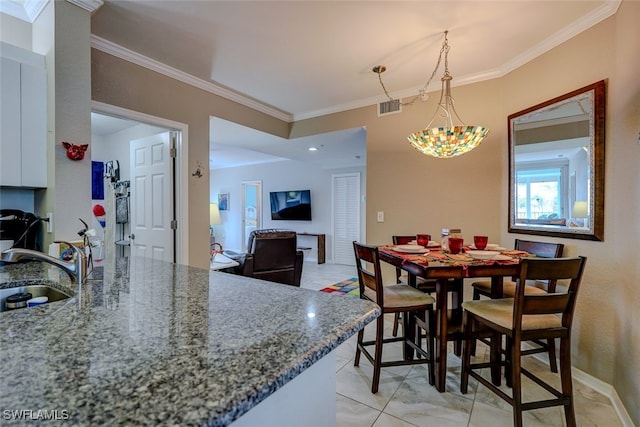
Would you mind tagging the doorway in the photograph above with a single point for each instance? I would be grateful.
(174, 189)
(152, 192)
(251, 209)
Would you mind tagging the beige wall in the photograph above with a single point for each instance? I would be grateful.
(418, 193)
(72, 107)
(123, 84)
(606, 344)
(421, 193)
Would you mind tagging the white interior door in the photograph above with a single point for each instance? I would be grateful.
(252, 214)
(346, 216)
(151, 188)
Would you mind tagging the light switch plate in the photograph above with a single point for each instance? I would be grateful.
(380, 216)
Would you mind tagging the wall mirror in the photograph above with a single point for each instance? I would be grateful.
(556, 166)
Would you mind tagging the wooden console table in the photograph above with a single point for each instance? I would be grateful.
(321, 249)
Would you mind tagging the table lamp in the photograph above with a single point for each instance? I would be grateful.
(580, 211)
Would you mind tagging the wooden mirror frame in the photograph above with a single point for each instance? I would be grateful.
(594, 229)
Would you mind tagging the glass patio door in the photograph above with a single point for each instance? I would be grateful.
(251, 211)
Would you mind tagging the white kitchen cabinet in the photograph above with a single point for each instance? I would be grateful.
(23, 118)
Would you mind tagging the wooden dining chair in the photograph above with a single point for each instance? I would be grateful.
(540, 250)
(396, 298)
(427, 286)
(526, 317)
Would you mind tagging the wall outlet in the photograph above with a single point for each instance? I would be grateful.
(50, 223)
(380, 216)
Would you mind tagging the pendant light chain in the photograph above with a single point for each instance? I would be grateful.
(379, 69)
(444, 49)
(445, 141)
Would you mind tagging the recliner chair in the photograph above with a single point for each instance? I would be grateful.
(272, 255)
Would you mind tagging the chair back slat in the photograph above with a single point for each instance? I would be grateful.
(370, 275)
(540, 249)
(545, 304)
(402, 240)
(548, 269)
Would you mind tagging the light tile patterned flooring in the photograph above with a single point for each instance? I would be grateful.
(405, 397)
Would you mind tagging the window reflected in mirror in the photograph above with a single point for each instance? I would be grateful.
(556, 153)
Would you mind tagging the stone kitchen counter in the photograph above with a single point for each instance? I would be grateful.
(152, 343)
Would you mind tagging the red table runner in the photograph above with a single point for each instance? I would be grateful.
(461, 260)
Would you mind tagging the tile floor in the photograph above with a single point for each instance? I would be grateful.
(405, 397)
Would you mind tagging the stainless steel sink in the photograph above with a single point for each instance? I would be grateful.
(36, 290)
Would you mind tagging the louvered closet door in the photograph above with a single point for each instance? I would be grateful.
(346, 216)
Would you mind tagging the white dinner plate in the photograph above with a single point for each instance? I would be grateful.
(482, 254)
(490, 248)
(411, 249)
(431, 244)
(501, 257)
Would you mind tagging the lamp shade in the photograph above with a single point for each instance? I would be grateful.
(447, 142)
(580, 210)
(214, 214)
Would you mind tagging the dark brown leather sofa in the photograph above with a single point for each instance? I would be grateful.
(272, 255)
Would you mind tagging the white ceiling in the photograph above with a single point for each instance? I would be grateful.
(307, 58)
(300, 59)
(103, 125)
(234, 145)
(346, 148)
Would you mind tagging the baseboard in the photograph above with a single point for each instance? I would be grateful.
(601, 387)
(606, 390)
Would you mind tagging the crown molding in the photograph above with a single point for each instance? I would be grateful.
(582, 24)
(88, 5)
(407, 93)
(606, 10)
(116, 50)
(27, 10)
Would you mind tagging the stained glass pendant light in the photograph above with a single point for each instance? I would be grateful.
(449, 140)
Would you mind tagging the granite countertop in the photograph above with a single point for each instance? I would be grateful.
(148, 342)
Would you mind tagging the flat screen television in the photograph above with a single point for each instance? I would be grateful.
(291, 205)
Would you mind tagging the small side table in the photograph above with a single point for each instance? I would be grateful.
(321, 242)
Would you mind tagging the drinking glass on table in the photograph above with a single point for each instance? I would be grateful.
(423, 239)
(480, 242)
(455, 244)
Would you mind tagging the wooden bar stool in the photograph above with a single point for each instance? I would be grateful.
(541, 250)
(526, 317)
(391, 299)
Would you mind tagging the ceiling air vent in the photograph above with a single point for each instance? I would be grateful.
(389, 107)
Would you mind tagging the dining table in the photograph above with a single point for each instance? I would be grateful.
(447, 269)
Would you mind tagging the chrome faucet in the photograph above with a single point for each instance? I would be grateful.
(76, 269)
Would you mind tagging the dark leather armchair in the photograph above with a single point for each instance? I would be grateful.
(272, 255)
